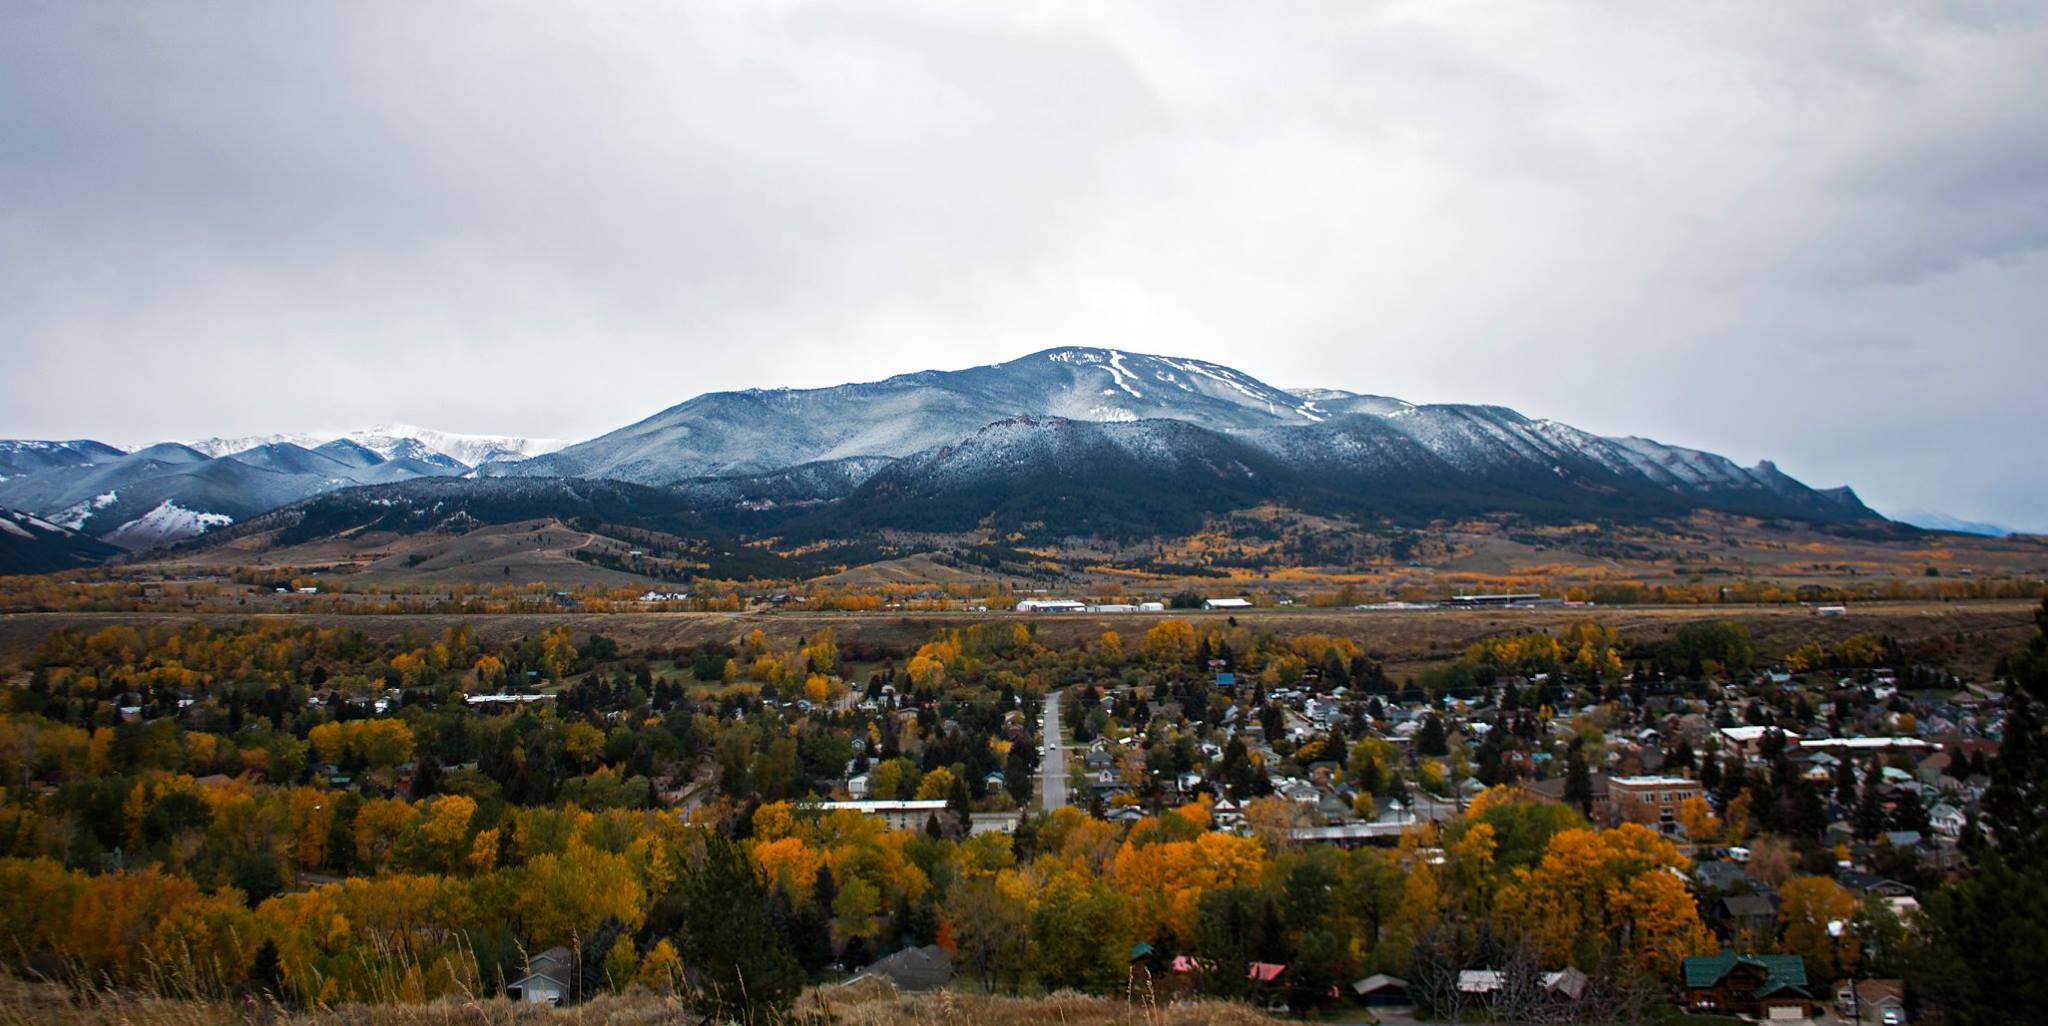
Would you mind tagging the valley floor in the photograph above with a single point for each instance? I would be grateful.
(1403, 639)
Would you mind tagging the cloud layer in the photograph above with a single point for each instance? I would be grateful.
(1811, 232)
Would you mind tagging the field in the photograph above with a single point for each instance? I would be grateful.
(1291, 553)
(1403, 639)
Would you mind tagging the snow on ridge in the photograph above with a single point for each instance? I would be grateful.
(384, 439)
(1111, 414)
(1318, 394)
(8, 525)
(167, 522)
(74, 517)
(35, 521)
(216, 447)
(1230, 379)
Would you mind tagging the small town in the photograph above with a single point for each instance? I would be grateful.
(1888, 782)
(1566, 826)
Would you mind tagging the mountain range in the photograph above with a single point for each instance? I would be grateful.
(1066, 442)
(172, 490)
(399, 441)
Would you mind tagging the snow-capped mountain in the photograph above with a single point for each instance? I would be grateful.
(171, 490)
(398, 441)
(168, 492)
(19, 456)
(1448, 450)
(730, 433)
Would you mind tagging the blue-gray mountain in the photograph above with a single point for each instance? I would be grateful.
(1063, 442)
(26, 456)
(759, 430)
(1066, 416)
(174, 490)
(31, 545)
(168, 491)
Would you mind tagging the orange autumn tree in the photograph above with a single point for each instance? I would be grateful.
(789, 864)
(1698, 819)
(1806, 905)
(1422, 903)
(1165, 881)
(1595, 891)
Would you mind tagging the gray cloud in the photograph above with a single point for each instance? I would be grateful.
(1810, 232)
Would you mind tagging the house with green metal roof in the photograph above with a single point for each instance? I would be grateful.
(1767, 986)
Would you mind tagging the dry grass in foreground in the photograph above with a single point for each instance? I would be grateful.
(52, 1005)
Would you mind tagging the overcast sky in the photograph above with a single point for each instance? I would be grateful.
(1810, 231)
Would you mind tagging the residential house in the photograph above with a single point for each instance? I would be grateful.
(1873, 1002)
(1947, 820)
(1382, 991)
(926, 968)
(1725, 876)
(1765, 986)
(1863, 885)
(547, 979)
(1227, 814)
(1482, 984)
(1564, 985)
(1752, 915)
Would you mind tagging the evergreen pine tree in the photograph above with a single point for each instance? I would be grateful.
(746, 971)
(266, 974)
(1869, 817)
(1990, 928)
(426, 778)
(1578, 780)
(1432, 740)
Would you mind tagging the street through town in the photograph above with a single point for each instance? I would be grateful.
(1052, 766)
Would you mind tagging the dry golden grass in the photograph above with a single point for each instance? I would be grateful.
(52, 1005)
(1065, 1008)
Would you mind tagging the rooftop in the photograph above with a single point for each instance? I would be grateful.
(1780, 971)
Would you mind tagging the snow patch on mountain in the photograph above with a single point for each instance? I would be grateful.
(1123, 377)
(1230, 379)
(1316, 395)
(167, 522)
(74, 517)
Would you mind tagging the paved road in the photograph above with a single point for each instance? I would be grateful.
(1052, 766)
